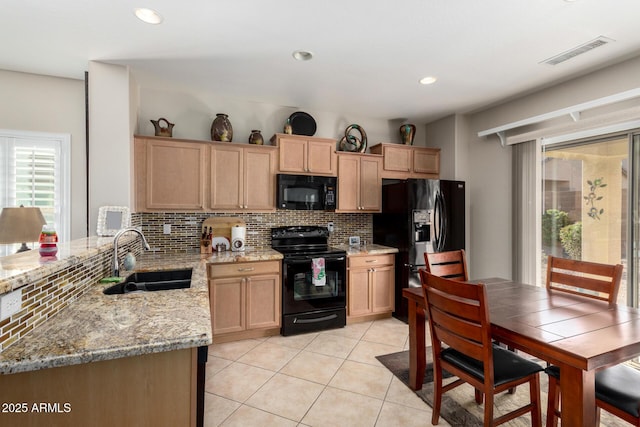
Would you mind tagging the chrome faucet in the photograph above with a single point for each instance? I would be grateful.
(116, 264)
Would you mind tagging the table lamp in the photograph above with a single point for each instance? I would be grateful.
(21, 225)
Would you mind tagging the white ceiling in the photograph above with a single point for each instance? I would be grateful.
(368, 54)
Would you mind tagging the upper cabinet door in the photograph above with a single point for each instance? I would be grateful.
(169, 175)
(406, 161)
(227, 173)
(371, 183)
(321, 157)
(426, 161)
(359, 183)
(293, 155)
(305, 155)
(259, 179)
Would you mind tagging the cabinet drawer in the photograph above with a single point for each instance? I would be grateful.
(370, 260)
(235, 269)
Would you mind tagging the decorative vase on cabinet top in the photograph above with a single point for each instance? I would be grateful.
(162, 130)
(256, 137)
(221, 129)
(287, 127)
(407, 132)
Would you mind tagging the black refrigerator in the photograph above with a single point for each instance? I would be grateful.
(418, 216)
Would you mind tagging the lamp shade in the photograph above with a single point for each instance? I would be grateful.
(19, 225)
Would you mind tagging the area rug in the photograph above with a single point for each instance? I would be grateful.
(458, 405)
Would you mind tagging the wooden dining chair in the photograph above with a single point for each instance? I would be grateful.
(450, 265)
(617, 392)
(461, 343)
(592, 280)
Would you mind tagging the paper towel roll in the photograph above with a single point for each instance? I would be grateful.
(238, 236)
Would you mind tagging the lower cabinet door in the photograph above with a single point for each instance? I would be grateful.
(358, 292)
(263, 301)
(383, 289)
(228, 305)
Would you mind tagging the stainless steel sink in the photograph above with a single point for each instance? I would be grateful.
(152, 281)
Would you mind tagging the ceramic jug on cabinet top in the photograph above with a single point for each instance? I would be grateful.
(163, 131)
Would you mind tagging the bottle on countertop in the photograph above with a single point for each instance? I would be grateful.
(48, 241)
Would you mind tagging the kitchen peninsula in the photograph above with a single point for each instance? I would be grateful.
(96, 357)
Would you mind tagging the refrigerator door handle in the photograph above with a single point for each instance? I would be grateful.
(437, 223)
(444, 224)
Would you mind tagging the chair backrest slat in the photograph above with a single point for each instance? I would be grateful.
(451, 264)
(594, 280)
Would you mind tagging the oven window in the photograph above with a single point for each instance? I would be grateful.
(304, 289)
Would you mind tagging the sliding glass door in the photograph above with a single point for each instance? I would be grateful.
(589, 205)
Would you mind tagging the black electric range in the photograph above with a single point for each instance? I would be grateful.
(313, 279)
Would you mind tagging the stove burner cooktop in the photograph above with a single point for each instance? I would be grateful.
(302, 240)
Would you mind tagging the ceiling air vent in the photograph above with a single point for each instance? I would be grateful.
(583, 48)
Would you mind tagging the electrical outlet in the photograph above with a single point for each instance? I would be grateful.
(10, 304)
(166, 228)
(330, 226)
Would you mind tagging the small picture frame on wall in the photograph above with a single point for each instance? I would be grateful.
(111, 219)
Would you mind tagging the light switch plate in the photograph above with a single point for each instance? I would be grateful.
(10, 304)
(166, 228)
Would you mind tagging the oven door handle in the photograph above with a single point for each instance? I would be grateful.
(316, 320)
(301, 260)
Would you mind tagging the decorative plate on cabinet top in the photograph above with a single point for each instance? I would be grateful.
(302, 123)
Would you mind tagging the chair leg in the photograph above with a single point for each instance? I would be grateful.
(553, 403)
(488, 409)
(437, 393)
(534, 396)
(479, 397)
(512, 390)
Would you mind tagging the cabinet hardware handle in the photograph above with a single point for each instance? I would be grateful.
(246, 269)
(372, 260)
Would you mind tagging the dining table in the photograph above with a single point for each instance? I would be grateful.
(578, 334)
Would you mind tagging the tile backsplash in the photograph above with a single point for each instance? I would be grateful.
(185, 227)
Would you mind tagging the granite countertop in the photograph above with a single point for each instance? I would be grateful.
(102, 327)
(368, 249)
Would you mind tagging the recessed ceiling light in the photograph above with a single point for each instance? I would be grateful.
(302, 55)
(149, 16)
(428, 80)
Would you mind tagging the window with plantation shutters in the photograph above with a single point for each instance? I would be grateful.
(34, 169)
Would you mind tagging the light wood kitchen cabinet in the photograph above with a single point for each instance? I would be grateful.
(305, 155)
(370, 287)
(245, 300)
(406, 161)
(359, 183)
(169, 175)
(242, 178)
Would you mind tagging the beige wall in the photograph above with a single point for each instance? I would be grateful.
(192, 112)
(37, 103)
(111, 107)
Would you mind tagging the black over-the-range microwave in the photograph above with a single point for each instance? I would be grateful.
(306, 192)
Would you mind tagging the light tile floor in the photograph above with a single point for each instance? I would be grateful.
(331, 378)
